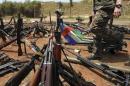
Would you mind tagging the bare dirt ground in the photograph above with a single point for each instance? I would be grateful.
(120, 59)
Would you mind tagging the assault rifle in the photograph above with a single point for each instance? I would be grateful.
(23, 72)
(12, 40)
(26, 69)
(37, 77)
(119, 76)
(50, 69)
(17, 79)
(19, 30)
(46, 73)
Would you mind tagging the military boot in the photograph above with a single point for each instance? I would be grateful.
(96, 56)
(98, 51)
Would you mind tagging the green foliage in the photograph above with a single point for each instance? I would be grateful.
(8, 8)
(34, 9)
(29, 9)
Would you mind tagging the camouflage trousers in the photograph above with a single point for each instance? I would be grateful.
(98, 26)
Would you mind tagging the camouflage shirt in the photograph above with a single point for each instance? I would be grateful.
(103, 4)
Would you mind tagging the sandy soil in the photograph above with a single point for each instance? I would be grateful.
(120, 59)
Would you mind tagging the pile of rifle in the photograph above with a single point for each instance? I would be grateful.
(52, 72)
(39, 29)
(8, 64)
(116, 76)
(16, 30)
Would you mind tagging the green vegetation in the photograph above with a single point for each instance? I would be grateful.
(28, 9)
(35, 9)
(7, 8)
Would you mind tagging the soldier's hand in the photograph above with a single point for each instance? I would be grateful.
(117, 12)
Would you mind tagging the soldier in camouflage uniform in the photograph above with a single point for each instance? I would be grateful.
(103, 11)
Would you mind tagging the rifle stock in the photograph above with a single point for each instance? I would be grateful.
(102, 68)
(17, 79)
(46, 79)
(46, 67)
(36, 79)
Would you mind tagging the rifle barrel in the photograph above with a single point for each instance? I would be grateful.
(8, 43)
(98, 67)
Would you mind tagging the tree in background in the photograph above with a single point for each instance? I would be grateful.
(28, 9)
(32, 9)
(8, 8)
(60, 5)
(71, 5)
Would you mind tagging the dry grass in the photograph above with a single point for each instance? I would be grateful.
(82, 8)
(77, 9)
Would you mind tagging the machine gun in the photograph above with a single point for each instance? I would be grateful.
(120, 77)
(39, 29)
(46, 75)
(46, 69)
(7, 31)
(51, 69)
(112, 42)
(21, 74)
(25, 70)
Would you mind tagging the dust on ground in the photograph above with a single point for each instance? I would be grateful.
(118, 59)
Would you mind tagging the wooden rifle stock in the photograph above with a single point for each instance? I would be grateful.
(36, 79)
(103, 68)
(17, 79)
(37, 76)
(46, 74)
(46, 79)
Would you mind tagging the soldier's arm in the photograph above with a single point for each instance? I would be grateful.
(117, 10)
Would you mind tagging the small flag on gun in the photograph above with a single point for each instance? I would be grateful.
(70, 34)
